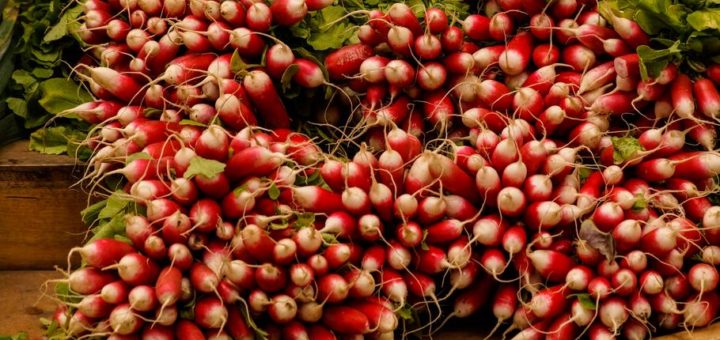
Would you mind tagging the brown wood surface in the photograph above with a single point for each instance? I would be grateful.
(21, 302)
(39, 213)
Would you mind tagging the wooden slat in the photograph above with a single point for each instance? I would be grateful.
(39, 214)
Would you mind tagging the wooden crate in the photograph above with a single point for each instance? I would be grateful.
(39, 214)
(40, 223)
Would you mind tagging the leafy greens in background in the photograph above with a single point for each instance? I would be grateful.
(35, 43)
(333, 27)
(330, 29)
(684, 32)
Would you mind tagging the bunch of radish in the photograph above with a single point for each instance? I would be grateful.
(540, 165)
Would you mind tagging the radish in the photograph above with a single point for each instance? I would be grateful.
(452, 39)
(346, 61)
(472, 298)
(613, 313)
(578, 278)
(346, 319)
(516, 56)
(210, 313)
(511, 201)
(104, 252)
(624, 282)
(282, 309)
(701, 310)
(548, 302)
(703, 277)
(124, 321)
(552, 265)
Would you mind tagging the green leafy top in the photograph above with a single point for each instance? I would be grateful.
(207, 168)
(331, 27)
(683, 32)
(625, 149)
(35, 38)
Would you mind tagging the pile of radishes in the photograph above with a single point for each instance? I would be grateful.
(540, 173)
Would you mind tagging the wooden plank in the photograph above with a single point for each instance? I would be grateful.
(711, 332)
(21, 302)
(40, 219)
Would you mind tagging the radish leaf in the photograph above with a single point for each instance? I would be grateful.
(208, 168)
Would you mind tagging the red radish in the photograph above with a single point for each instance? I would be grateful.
(629, 30)
(659, 242)
(548, 302)
(516, 56)
(511, 201)
(124, 321)
(599, 288)
(314, 199)
(316, 5)
(175, 227)
(545, 55)
(701, 310)
(431, 76)
(472, 298)
(607, 215)
(332, 288)
(563, 327)
(613, 313)
(136, 269)
(703, 277)
(253, 161)
(477, 27)
(696, 165)
(308, 240)
(682, 96)
(501, 26)
(258, 17)
(393, 285)
(552, 265)
(94, 306)
(543, 215)
(708, 98)
(318, 264)
(487, 56)
(337, 254)
(270, 278)
(624, 282)
(427, 47)
(104, 252)
(121, 86)
(579, 278)
(541, 25)
(452, 177)
(203, 278)
(142, 298)
(188, 330)
(452, 39)
(444, 231)
(344, 319)
(210, 313)
(288, 12)
(346, 61)
(262, 92)
(309, 74)
(627, 234)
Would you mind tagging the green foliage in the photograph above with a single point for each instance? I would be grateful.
(35, 38)
(625, 149)
(207, 168)
(683, 32)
